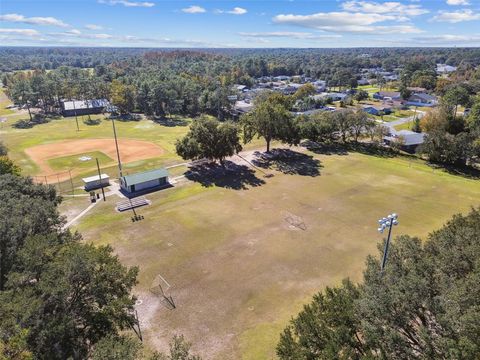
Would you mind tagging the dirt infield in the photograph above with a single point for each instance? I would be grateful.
(130, 150)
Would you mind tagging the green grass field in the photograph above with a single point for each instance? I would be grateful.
(4, 102)
(237, 267)
(73, 161)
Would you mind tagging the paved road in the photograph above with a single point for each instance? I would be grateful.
(391, 125)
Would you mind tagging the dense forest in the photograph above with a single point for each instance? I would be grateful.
(254, 62)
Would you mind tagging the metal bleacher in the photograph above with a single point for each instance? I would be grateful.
(132, 203)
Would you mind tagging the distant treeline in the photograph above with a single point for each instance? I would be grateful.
(254, 62)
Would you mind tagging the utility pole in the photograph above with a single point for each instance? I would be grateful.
(75, 112)
(389, 222)
(100, 179)
(116, 145)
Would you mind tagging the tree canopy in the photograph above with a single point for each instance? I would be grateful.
(271, 120)
(211, 139)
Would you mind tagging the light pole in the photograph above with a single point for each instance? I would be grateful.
(387, 222)
(116, 146)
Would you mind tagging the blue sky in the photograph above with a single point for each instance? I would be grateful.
(254, 23)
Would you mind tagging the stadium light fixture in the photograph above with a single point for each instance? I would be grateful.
(387, 222)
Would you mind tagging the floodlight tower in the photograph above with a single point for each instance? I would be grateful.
(387, 222)
(116, 146)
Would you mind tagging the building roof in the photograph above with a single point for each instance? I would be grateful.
(391, 94)
(243, 106)
(95, 178)
(84, 104)
(145, 176)
(416, 89)
(425, 97)
(410, 137)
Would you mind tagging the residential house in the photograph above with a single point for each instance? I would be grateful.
(282, 78)
(410, 140)
(387, 95)
(332, 96)
(377, 110)
(445, 69)
(421, 99)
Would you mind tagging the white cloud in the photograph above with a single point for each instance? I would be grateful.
(237, 11)
(23, 32)
(346, 22)
(456, 16)
(448, 39)
(234, 11)
(47, 21)
(194, 9)
(390, 7)
(289, 34)
(458, 2)
(93, 27)
(75, 33)
(127, 3)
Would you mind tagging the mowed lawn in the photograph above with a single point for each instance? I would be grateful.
(4, 102)
(81, 160)
(238, 269)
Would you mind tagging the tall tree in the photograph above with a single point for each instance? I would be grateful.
(327, 327)
(208, 138)
(272, 120)
(122, 96)
(25, 209)
(83, 295)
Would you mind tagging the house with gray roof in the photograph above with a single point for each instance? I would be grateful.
(422, 99)
(410, 140)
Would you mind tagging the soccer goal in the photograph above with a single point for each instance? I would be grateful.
(161, 288)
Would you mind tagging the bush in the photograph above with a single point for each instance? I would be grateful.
(91, 122)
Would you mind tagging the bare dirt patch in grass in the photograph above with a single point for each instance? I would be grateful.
(130, 150)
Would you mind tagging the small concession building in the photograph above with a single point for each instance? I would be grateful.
(144, 181)
(96, 182)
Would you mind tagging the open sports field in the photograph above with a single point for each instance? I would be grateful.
(55, 147)
(51, 158)
(243, 255)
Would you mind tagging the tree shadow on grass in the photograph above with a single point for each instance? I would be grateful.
(126, 117)
(289, 162)
(169, 122)
(233, 176)
(373, 150)
(463, 171)
(37, 119)
(331, 148)
(338, 148)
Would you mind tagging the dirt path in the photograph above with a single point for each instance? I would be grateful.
(130, 150)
